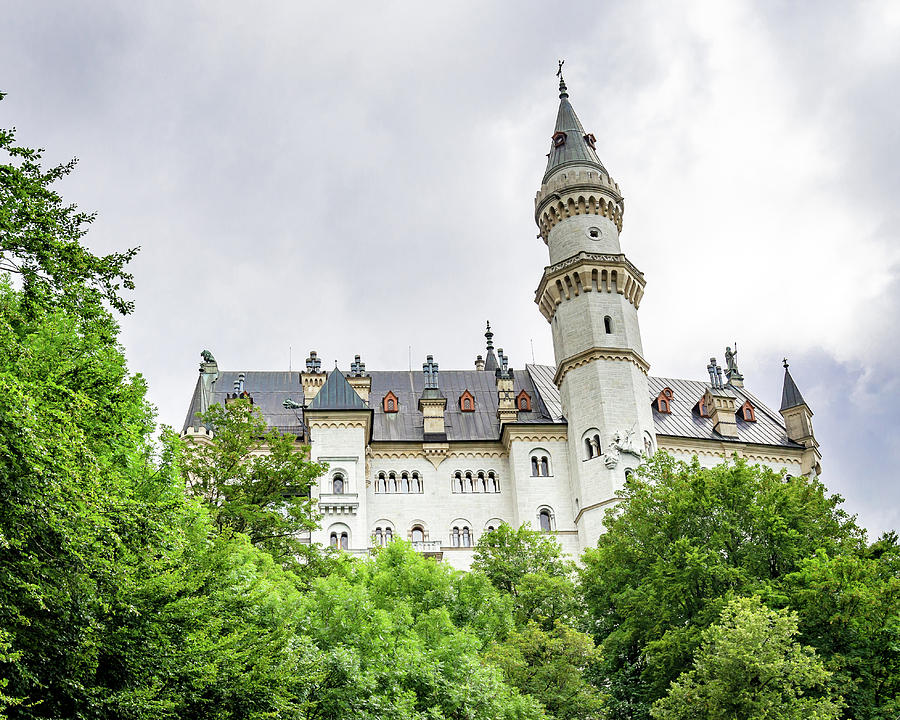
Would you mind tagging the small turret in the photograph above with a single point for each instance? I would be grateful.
(798, 424)
(359, 379)
(313, 378)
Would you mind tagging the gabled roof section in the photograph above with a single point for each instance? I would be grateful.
(336, 394)
(576, 150)
(790, 393)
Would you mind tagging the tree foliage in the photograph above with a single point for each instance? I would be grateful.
(255, 481)
(40, 238)
(749, 666)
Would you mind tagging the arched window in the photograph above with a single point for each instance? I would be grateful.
(534, 466)
(345, 541)
(333, 540)
(545, 466)
(466, 537)
(595, 441)
(388, 535)
(588, 449)
(495, 480)
(454, 537)
(337, 485)
(404, 483)
(457, 482)
(467, 404)
(490, 528)
(416, 486)
(391, 405)
(607, 324)
(418, 534)
(469, 484)
(748, 412)
(481, 485)
(545, 520)
(379, 538)
(379, 483)
(392, 482)
(490, 484)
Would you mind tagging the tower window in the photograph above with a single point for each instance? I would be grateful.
(559, 139)
(545, 467)
(545, 520)
(337, 485)
(417, 534)
(534, 466)
(594, 233)
(607, 324)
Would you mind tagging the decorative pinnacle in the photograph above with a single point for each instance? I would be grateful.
(489, 336)
(562, 83)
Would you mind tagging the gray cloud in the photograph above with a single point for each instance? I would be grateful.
(362, 182)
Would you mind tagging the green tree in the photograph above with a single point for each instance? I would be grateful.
(532, 569)
(383, 642)
(849, 609)
(40, 239)
(683, 540)
(551, 666)
(748, 666)
(255, 481)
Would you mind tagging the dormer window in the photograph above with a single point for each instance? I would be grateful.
(467, 402)
(559, 139)
(523, 401)
(663, 401)
(748, 412)
(390, 403)
(701, 407)
(591, 141)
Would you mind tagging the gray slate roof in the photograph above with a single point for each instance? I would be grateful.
(270, 389)
(576, 149)
(790, 393)
(336, 394)
(685, 422)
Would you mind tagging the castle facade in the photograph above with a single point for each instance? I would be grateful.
(438, 457)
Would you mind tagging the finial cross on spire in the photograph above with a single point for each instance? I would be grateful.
(785, 362)
(563, 92)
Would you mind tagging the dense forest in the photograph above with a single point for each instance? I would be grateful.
(129, 591)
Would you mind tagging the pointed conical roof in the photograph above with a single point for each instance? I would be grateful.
(490, 360)
(336, 394)
(577, 147)
(790, 393)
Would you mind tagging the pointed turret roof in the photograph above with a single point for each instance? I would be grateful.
(336, 394)
(490, 360)
(577, 147)
(790, 393)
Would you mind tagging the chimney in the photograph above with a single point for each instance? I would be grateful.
(359, 379)
(506, 401)
(312, 379)
(720, 403)
(432, 404)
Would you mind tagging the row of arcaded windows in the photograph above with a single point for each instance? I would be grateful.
(404, 482)
(477, 482)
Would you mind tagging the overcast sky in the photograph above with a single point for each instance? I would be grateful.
(360, 178)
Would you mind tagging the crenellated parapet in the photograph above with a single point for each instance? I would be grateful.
(583, 192)
(588, 272)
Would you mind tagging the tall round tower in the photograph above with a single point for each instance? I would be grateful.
(590, 294)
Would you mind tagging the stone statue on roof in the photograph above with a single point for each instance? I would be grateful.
(207, 356)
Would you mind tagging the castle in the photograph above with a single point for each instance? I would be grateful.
(438, 457)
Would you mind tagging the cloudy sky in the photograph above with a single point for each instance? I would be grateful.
(360, 177)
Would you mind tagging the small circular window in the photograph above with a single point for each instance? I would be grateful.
(594, 233)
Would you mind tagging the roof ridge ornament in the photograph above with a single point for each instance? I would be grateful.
(563, 90)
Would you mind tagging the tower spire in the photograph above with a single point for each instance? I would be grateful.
(490, 360)
(570, 143)
(563, 90)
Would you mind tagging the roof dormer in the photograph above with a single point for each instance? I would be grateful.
(663, 401)
(390, 403)
(467, 402)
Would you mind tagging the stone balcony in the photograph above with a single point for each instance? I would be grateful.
(332, 504)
